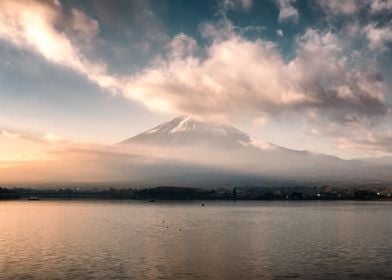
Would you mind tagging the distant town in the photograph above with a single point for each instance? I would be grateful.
(153, 194)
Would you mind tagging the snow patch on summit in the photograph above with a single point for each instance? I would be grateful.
(185, 124)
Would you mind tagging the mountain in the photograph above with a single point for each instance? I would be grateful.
(222, 151)
(189, 152)
(185, 131)
(219, 146)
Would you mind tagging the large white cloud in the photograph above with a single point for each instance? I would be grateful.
(237, 75)
(232, 75)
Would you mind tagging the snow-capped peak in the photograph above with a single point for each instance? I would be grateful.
(185, 131)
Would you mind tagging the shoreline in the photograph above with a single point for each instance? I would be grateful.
(174, 193)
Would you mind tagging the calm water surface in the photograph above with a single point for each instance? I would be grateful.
(223, 240)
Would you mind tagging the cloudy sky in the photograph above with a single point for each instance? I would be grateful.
(309, 75)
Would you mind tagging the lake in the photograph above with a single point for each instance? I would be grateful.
(183, 240)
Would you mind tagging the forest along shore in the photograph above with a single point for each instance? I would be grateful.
(186, 193)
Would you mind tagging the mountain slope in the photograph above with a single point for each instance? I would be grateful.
(215, 145)
(187, 152)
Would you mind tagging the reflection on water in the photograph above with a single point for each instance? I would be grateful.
(223, 240)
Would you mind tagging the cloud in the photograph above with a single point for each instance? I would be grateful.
(246, 4)
(338, 7)
(182, 46)
(84, 27)
(356, 136)
(10, 135)
(47, 138)
(368, 18)
(378, 37)
(226, 5)
(225, 77)
(287, 11)
(236, 74)
(17, 146)
(373, 145)
(31, 25)
(133, 19)
(225, 81)
(353, 7)
(381, 5)
(365, 142)
(323, 71)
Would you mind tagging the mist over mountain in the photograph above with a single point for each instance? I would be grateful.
(190, 152)
(231, 151)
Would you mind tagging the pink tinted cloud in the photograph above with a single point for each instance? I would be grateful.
(232, 76)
